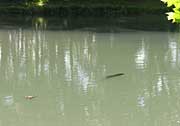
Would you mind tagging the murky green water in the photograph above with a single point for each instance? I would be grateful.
(66, 70)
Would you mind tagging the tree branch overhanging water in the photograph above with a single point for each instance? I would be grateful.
(174, 15)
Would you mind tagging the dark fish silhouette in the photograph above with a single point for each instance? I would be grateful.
(114, 75)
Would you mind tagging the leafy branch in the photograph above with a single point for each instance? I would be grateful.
(175, 14)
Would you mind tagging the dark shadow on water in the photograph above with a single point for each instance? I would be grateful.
(94, 24)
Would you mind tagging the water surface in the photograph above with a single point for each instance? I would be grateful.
(66, 69)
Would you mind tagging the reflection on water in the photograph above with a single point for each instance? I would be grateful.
(98, 24)
(141, 57)
(67, 69)
(39, 23)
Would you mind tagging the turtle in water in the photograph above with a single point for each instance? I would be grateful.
(29, 97)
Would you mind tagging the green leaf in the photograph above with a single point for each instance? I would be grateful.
(175, 15)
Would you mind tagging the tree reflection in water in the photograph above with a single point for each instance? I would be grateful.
(66, 70)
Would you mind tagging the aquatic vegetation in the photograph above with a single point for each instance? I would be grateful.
(175, 14)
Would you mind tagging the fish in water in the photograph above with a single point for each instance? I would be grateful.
(29, 97)
(114, 75)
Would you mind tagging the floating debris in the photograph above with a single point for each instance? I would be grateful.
(114, 75)
(30, 97)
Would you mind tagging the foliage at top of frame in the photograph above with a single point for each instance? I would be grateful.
(175, 14)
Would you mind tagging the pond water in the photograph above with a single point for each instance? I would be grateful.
(66, 69)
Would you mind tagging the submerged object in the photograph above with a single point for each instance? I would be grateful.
(30, 97)
(114, 75)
